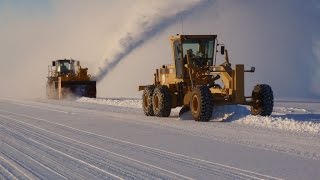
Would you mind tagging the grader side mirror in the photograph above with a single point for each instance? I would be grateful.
(53, 63)
(222, 50)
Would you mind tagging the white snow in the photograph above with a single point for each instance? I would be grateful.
(294, 119)
(101, 138)
(282, 123)
(133, 103)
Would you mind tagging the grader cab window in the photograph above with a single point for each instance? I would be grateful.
(201, 49)
(178, 59)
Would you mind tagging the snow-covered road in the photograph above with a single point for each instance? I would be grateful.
(112, 139)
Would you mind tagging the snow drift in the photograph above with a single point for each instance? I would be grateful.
(281, 119)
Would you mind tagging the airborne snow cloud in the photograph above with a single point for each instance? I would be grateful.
(148, 26)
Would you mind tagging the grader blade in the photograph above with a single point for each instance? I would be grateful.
(183, 110)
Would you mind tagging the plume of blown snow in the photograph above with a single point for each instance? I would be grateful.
(147, 26)
(278, 44)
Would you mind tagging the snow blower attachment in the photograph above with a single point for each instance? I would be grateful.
(194, 82)
(67, 79)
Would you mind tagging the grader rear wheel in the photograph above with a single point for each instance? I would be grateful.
(147, 101)
(201, 104)
(161, 101)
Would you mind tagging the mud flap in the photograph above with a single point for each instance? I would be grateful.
(183, 110)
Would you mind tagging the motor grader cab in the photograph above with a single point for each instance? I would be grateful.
(66, 78)
(195, 82)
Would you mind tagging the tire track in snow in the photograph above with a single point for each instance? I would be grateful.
(37, 168)
(53, 162)
(5, 172)
(120, 165)
(7, 166)
(179, 160)
(292, 143)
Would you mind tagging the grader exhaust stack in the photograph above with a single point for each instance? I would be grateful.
(66, 78)
(195, 82)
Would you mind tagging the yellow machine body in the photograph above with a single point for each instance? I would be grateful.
(66, 78)
(194, 58)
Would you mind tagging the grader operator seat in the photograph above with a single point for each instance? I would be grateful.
(197, 59)
(201, 51)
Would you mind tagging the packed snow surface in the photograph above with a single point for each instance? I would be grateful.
(297, 118)
(123, 102)
(112, 139)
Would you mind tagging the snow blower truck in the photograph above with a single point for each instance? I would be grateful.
(195, 82)
(67, 79)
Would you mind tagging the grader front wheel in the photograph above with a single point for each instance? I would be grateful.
(147, 101)
(201, 104)
(262, 99)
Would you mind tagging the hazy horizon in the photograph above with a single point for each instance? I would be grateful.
(280, 38)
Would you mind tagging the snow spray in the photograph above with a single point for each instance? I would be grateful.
(149, 29)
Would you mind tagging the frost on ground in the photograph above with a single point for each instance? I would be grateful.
(291, 117)
(123, 102)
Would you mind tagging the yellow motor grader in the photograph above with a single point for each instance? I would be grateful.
(67, 79)
(195, 82)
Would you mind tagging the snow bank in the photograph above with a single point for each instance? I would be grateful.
(242, 115)
(133, 103)
(281, 123)
(290, 110)
(281, 118)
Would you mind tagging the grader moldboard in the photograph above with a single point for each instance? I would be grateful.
(67, 79)
(194, 82)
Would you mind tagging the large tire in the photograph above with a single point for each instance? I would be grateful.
(262, 99)
(201, 103)
(147, 100)
(161, 101)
